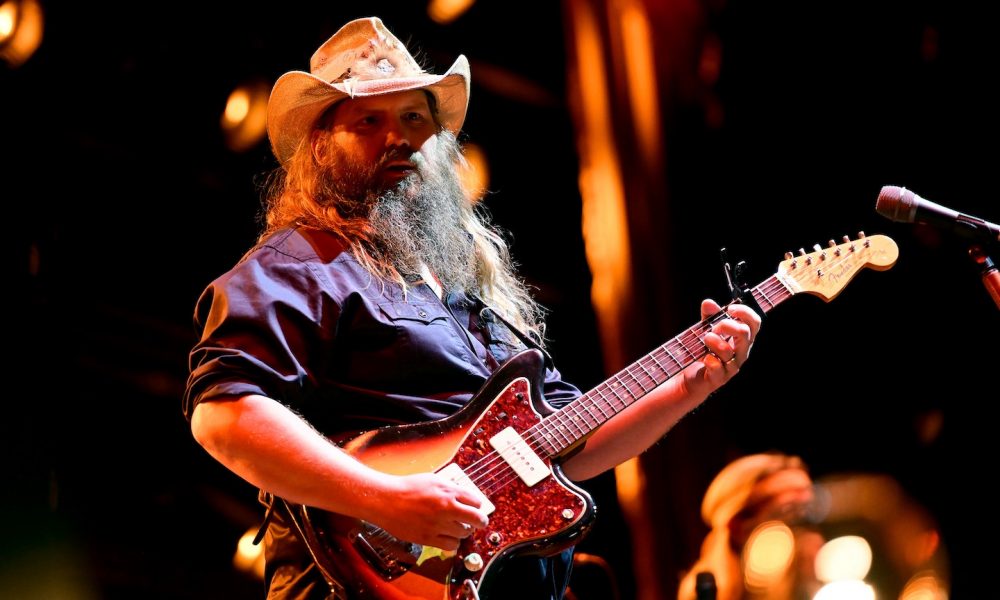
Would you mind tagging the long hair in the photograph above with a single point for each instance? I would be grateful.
(292, 196)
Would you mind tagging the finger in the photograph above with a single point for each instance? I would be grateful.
(708, 308)
(736, 334)
(467, 497)
(719, 348)
(458, 529)
(473, 515)
(747, 315)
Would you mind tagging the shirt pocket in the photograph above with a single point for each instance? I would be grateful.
(423, 312)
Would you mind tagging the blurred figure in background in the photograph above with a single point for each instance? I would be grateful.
(756, 547)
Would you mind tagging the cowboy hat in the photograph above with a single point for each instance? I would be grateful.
(362, 59)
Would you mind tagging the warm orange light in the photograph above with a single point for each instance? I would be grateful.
(446, 11)
(629, 482)
(21, 25)
(924, 586)
(768, 554)
(474, 174)
(845, 557)
(245, 117)
(8, 19)
(850, 589)
(605, 225)
(640, 67)
(249, 558)
(237, 108)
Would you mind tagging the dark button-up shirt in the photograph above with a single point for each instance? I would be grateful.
(300, 321)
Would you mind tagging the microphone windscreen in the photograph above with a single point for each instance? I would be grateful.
(896, 204)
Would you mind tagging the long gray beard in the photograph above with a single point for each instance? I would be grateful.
(417, 220)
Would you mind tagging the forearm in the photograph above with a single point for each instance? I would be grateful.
(633, 430)
(269, 446)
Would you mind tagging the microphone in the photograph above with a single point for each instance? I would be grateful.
(704, 586)
(901, 205)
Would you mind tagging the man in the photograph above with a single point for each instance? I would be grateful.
(379, 296)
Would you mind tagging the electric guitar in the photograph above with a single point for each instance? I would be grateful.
(505, 443)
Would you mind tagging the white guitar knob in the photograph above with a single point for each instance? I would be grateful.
(473, 562)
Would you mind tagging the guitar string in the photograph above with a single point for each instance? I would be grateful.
(479, 470)
(640, 375)
(684, 341)
(502, 477)
(556, 424)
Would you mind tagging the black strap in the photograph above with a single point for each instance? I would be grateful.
(267, 499)
(525, 339)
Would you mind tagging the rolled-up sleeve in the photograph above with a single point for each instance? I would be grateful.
(258, 323)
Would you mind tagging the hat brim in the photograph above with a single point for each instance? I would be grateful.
(299, 98)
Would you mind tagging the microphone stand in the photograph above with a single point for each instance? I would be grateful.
(990, 274)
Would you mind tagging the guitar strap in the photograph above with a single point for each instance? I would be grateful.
(526, 339)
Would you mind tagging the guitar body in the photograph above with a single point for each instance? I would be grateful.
(540, 519)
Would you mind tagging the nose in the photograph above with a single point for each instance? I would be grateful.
(396, 136)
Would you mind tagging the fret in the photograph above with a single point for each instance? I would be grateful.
(615, 392)
(651, 376)
(603, 399)
(626, 386)
(586, 407)
(764, 296)
(672, 357)
(636, 379)
(660, 366)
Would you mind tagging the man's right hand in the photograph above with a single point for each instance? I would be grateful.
(427, 508)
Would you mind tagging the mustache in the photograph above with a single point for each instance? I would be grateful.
(398, 154)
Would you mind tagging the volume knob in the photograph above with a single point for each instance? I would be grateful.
(473, 562)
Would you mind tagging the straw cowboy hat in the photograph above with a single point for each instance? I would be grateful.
(362, 59)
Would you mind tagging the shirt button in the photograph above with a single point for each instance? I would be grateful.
(423, 314)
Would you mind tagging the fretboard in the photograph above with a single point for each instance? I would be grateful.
(579, 418)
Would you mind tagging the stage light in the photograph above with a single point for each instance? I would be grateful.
(245, 117)
(249, 558)
(21, 24)
(446, 11)
(768, 554)
(474, 172)
(845, 557)
(850, 589)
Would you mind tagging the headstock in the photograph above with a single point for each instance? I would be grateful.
(826, 271)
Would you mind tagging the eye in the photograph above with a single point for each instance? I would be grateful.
(367, 121)
(415, 117)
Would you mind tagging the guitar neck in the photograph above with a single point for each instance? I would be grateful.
(579, 418)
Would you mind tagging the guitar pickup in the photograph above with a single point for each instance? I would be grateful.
(513, 449)
(456, 475)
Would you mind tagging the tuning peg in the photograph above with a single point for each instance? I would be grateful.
(846, 239)
(788, 255)
(831, 243)
(836, 250)
(809, 259)
(861, 235)
(802, 252)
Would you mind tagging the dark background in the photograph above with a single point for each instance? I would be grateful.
(123, 203)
